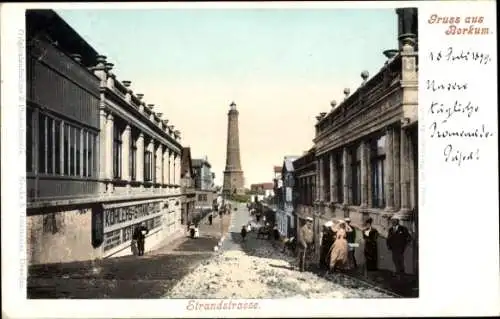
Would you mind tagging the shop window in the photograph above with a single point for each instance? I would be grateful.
(42, 144)
(117, 150)
(29, 139)
(85, 143)
(78, 149)
(148, 176)
(57, 146)
(377, 168)
(356, 175)
(133, 156)
(340, 178)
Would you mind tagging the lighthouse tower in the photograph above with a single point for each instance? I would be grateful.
(233, 174)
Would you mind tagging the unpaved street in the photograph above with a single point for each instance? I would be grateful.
(255, 269)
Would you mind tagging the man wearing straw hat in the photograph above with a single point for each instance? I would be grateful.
(306, 239)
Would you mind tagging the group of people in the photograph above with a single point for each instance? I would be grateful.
(194, 230)
(338, 245)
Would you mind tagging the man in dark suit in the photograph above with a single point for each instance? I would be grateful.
(351, 239)
(398, 239)
(139, 236)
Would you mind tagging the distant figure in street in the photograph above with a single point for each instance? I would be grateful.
(276, 233)
(398, 239)
(243, 232)
(276, 236)
(196, 231)
(339, 253)
(289, 244)
(351, 239)
(257, 217)
(139, 236)
(306, 240)
(210, 219)
(370, 236)
(220, 205)
(326, 244)
(192, 230)
(249, 227)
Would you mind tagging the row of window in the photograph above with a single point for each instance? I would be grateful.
(306, 185)
(60, 147)
(152, 164)
(306, 190)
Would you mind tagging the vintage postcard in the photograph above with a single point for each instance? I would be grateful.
(254, 159)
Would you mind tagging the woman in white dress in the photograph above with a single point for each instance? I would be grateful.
(196, 232)
(339, 253)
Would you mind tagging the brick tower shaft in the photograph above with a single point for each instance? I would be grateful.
(233, 174)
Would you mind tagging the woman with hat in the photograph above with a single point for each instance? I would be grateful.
(339, 258)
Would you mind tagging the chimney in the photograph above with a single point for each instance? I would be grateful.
(407, 27)
(159, 114)
(333, 104)
(126, 83)
(77, 57)
(150, 106)
(347, 91)
(139, 96)
(101, 60)
(364, 76)
(109, 66)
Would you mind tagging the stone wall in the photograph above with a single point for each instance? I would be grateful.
(60, 236)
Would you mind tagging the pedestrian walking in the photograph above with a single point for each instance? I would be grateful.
(276, 233)
(220, 205)
(243, 232)
(351, 239)
(249, 227)
(370, 236)
(306, 241)
(210, 219)
(326, 244)
(139, 236)
(192, 231)
(339, 252)
(398, 239)
(196, 231)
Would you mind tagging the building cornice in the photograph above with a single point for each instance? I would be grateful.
(127, 114)
(369, 106)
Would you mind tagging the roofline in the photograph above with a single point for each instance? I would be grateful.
(51, 21)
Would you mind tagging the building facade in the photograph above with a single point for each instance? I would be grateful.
(262, 191)
(285, 217)
(99, 161)
(304, 173)
(367, 147)
(187, 187)
(204, 177)
(204, 186)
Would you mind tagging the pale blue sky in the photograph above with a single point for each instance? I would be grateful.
(281, 66)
